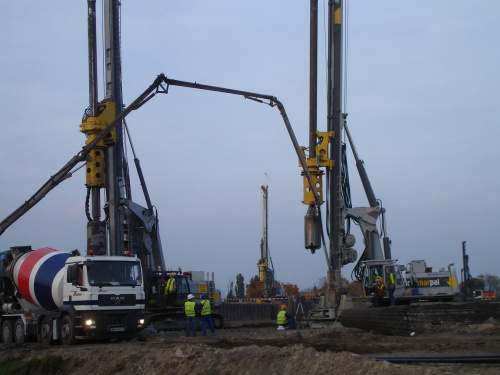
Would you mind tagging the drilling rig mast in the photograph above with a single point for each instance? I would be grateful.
(127, 228)
(327, 150)
(266, 270)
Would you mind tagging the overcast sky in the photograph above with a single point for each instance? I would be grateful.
(422, 96)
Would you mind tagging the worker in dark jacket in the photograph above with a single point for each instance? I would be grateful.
(189, 310)
(284, 318)
(206, 318)
(378, 293)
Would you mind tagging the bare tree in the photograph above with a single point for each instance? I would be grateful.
(491, 282)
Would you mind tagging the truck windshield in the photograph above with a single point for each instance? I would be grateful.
(116, 273)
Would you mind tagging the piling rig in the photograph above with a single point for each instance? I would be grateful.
(327, 157)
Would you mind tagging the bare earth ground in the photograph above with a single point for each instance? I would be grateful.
(259, 350)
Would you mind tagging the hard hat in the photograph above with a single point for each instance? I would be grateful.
(204, 295)
(190, 296)
(172, 274)
(283, 307)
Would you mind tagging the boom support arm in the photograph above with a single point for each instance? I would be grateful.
(65, 172)
(156, 87)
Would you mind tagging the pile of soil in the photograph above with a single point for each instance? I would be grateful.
(259, 350)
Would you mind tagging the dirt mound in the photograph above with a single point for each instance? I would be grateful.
(203, 359)
(257, 351)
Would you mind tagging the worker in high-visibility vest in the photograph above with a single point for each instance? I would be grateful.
(206, 318)
(375, 278)
(284, 318)
(171, 290)
(189, 310)
(378, 293)
(391, 285)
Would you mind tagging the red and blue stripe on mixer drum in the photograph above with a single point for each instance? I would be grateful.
(39, 275)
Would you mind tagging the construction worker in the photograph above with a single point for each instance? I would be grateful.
(189, 310)
(375, 278)
(171, 290)
(284, 318)
(378, 293)
(391, 285)
(206, 318)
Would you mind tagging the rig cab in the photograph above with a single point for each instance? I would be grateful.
(414, 282)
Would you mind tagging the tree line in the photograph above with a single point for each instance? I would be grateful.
(254, 289)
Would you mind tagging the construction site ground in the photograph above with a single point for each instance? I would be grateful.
(261, 350)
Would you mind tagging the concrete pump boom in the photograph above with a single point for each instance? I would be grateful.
(156, 87)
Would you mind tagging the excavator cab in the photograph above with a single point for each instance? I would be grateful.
(373, 269)
(155, 291)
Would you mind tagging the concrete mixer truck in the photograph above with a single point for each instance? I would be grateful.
(51, 296)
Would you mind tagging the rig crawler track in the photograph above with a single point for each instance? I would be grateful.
(418, 318)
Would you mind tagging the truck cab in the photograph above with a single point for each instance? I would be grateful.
(98, 280)
(104, 295)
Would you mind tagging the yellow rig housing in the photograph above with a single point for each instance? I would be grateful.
(313, 164)
(91, 127)
(262, 270)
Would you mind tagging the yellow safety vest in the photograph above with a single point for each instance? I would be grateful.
(205, 310)
(170, 285)
(380, 289)
(282, 319)
(189, 308)
(392, 282)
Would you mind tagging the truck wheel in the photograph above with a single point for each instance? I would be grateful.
(45, 336)
(67, 331)
(19, 337)
(7, 332)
